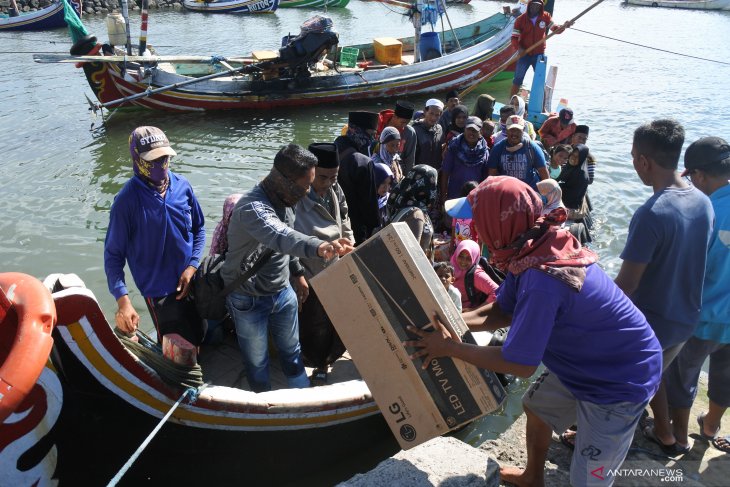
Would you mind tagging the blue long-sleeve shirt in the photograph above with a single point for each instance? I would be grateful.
(158, 237)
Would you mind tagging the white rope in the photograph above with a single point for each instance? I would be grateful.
(147, 440)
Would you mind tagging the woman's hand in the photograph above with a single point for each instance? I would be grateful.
(432, 344)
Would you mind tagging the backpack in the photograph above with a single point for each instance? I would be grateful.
(476, 297)
(209, 290)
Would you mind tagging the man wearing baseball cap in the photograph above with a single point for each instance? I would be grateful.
(707, 163)
(558, 129)
(518, 156)
(156, 226)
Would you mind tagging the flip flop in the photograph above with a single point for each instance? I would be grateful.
(701, 422)
(645, 421)
(318, 378)
(567, 438)
(722, 443)
(671, 450)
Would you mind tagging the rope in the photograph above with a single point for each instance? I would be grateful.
(651, 47)
(189, 393)
(150, 354)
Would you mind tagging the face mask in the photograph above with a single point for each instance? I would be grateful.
(555, 172)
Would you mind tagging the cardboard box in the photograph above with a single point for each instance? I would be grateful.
(371, 295)
(388, 50)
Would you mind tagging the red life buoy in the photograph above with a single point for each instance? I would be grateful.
(27, 317)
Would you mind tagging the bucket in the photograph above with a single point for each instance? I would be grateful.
(117, 30)
(430, 46)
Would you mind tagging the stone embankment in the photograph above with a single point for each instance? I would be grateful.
(91, 7)
(446, 461)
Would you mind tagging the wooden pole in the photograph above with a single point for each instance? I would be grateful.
(516, 55)
(125, 15)
(458, 44)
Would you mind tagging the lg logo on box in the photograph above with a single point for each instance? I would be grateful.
(407, 432)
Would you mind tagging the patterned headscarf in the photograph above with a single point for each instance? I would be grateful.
(418, 188)
(219, 245)
(507, 216)
(154, 173)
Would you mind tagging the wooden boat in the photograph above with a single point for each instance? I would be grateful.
(50, 17)
(313, 3)
(686, 4)
(95, 402)
(232, 6)
(485, 46)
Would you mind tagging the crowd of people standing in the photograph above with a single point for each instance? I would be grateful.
(318, 203)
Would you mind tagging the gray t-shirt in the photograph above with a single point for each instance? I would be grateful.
(670, 233)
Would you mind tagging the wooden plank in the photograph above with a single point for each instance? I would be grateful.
(63, 58)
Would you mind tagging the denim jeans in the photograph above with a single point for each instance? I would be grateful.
(255, 317)
(522, 66)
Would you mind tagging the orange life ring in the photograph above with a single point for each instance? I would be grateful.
(27, 317)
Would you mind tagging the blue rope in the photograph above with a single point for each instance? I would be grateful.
(190, 393)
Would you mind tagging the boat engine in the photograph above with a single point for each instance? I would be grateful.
(303, 51)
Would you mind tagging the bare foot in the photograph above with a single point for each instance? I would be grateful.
(516, 476)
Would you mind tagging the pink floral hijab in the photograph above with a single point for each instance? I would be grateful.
(219, 245)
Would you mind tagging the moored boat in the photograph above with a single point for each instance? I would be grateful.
(106, 400)
(313, 3)
(684, 4)
(232, 6)
(50, 17)
(482, 48)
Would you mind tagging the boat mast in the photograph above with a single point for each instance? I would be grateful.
(143, 28)
(417, 26)
(125, 15)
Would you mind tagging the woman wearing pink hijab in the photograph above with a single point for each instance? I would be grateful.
(473, 283)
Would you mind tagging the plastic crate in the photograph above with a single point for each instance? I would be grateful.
(348, 57)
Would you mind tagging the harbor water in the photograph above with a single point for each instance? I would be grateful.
(62, 166)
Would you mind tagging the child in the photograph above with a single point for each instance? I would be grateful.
(446, 273)
(558, 157)
(475, 286)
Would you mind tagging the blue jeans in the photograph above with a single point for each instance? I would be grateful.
(255, 317)
(521, 67)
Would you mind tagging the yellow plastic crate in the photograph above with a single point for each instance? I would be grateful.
(388, 50)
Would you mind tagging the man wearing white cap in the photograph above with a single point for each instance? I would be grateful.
(429, 135)
(518, 156)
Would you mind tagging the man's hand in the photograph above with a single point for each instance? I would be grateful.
(347, 246)
(126, 318)
(328, 250)
(437, 343)
(301, 287)
(562, 28)
(183, 285)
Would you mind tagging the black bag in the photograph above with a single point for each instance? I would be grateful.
(476, 297)
(209, 290)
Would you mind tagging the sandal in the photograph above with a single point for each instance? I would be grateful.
(722, 443)
(671, 450)
(645, 421)
(567, 438)
(318, 378)
(701, 422)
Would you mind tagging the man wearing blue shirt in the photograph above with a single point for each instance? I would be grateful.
(664, 257)
(518, 156)
(707, 163)
(157, 227)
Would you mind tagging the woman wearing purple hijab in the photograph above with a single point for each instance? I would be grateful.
(157, 228)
